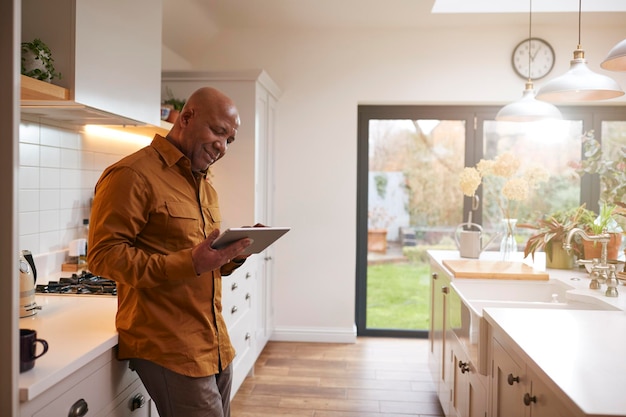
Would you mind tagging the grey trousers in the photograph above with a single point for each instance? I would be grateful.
(177, 395)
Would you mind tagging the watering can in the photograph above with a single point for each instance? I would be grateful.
(469, 241)
(468, 237)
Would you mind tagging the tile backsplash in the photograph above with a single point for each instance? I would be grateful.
(58, 169)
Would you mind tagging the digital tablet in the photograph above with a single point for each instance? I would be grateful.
(261, 237)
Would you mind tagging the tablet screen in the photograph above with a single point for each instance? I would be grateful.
(261, 237)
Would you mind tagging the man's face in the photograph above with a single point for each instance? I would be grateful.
(208, 134)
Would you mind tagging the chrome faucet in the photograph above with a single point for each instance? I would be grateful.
(603, 238)
(600, 271)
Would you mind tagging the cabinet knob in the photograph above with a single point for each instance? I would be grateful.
(445, 290)
(267, 258)
(464, 367)
(234, 286)
(233, 310)
(247, 337)
(434, 275)
(138, 401)
(528, 399)
(78, 409)
(247, 296)
(512, 379)
(248, 275)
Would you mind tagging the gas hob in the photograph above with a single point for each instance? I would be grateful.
(84, 283)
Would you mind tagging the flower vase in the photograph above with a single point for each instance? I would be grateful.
(508, 246)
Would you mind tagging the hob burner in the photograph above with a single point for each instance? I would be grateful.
(84, 283)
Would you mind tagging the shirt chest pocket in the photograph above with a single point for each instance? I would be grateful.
(183, 225)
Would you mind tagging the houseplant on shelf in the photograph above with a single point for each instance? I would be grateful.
(37, 61)
(174, 104)
(551, 232)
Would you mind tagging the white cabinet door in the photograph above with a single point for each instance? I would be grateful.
(508, 383)
(108, 52)
(439, 356)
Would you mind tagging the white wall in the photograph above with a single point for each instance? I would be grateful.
(324, 75)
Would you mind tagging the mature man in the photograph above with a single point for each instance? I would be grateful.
(154, 217)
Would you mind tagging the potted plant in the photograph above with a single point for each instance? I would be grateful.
(551, 233)
(378, 220)
(174, 104)
(612, 173)
(603, 222)
(37, 61)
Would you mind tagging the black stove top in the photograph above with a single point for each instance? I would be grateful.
(84, 283)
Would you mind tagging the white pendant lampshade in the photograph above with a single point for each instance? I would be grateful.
(528, 109)
(580, 84)
(616, 59)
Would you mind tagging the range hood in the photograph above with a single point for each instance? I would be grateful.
(51, 102)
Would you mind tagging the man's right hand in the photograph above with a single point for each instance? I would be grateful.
(205, 258)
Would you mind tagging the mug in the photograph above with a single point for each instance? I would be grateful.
(28, 349)
(470, 244)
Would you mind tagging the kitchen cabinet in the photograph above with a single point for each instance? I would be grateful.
(469, 393)
(517, 390)
(461, 388)
(439, 357)
(105, 387)
(109, 55)
(244, 180)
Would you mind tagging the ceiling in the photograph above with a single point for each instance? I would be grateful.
(196, 21)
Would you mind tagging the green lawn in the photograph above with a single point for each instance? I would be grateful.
(398, 296)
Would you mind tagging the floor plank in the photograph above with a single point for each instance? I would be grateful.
(374, 377)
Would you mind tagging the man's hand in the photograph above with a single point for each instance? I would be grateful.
(206, 259)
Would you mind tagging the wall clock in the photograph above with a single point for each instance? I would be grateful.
(541, 58)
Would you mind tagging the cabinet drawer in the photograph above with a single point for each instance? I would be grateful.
(237, 295)
(95, 391)
(132, 402)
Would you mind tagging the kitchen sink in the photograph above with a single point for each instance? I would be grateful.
(468, 298)
(524, 294)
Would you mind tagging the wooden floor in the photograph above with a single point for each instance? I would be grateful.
(373, 377)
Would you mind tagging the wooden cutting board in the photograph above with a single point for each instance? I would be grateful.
(475, 268)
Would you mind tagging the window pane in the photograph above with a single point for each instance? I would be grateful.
(552, 145)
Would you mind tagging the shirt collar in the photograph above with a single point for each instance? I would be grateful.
(171, 154)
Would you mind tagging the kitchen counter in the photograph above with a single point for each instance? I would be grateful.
(578, 350)
(78, 329)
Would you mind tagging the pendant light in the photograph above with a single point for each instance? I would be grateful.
(616, 59)
(527, 108)
(580, 83)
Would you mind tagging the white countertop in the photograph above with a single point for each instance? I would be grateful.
(579, 350)
(78, 329)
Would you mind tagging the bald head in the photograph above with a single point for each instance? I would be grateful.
(206, 126)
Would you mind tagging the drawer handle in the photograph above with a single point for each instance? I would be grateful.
(247, 337)
(78, 409)
(137, 402)
(528, 399)
(233, 310)
(248, 296)
(512, 379)
(464, 367)
(234, 286)
(248, 275)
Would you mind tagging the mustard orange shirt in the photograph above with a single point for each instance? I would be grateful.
(149, 210)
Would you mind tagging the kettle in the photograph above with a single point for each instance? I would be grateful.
(28, 276)
(469, 242)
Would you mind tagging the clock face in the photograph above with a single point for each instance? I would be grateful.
(541, 58)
